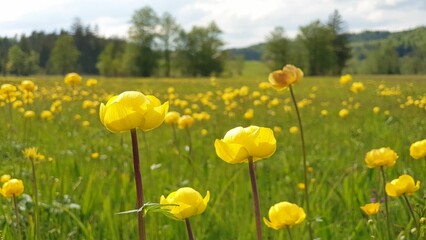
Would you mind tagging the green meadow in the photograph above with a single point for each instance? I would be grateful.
(80, 194)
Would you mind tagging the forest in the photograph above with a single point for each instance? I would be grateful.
(158, 46)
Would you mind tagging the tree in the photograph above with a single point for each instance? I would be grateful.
(276, 52)
(169, 32)
(142, 33)
(200, 51)
(318, 42)
(340, 42)
(16, 60)
(64, 56)
(110, 59)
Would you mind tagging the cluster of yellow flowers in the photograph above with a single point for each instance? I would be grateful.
(12, 187)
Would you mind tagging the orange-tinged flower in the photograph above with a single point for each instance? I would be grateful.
(283, 78)
(371, 208)
(284, 214)
(132, 109)
(13, 187)
(381, 157)
(188, 202)
(418, 149)
(241, 143)
(402, 185)
(72, 79)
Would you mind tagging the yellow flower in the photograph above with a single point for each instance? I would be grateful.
(294, 130)
(240, 143)
(8, 92)
(13, 187)
(189, 202)
(324, 112)
(4, 178)
(345, 79)
(29, 114)
(28, 85)
(357, 87)
(343, 113)
(301, 186)
(381, 157)
(418, 149)
(204, 132)
(283, 78)
(172, 117)
(131, 110)
(72, 79)
(402, 185)
(371, 208)
(376, 110)
(185, 121)
(31, 153)
(85, 123)
(284, 214)
(248, 115)
(94, 155)
(46, 115)
(91, 82)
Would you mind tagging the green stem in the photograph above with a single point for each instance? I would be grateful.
(412, 212)
(189, 229)
(255, 198)
(139, 186)
(175, 140)
(305, 167)
(35, 198)
(188, 133)
(18, 226)
(386, 203)
(289, 233)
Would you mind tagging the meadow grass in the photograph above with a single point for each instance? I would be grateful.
(81, 196)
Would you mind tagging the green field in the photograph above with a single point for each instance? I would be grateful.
(80, 196)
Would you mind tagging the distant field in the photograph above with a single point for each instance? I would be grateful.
(80, 195)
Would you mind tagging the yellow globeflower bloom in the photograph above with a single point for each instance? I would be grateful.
(343, 113)
(241, 143)
(13, 187)
(29, 114)
(4, 178)
(381, 157)
(91, 82)
(189, 202)
(72, 79)
(31, 153)
(172, 118)
(357, 87)
(345, 79)
(418, 149)
(94, 155)
(283, 78)
(294, 130)
(185, 121)
(402, 185)
(46, 115)
(284, 214)
(131, 110)
(371, 208)
(248, 115)
(376, 110)
(8, 92)
(324, 112)
(28, 85)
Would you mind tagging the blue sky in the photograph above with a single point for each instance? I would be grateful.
(243, 22)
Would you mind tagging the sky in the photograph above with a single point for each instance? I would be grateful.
(243, 22)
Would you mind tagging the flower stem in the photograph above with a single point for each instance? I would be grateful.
(255, 198)
(305, 167)
(188, 133)
(189, 229)
(175, 140)
(35, 197)
(18, 226)
(289, 233)
(412, 212)
(139, 186)
(386, 202)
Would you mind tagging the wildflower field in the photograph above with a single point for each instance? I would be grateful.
(78, 176)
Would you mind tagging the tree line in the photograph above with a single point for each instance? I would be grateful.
(158, 46)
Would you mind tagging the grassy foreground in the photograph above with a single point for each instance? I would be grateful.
(80, 193)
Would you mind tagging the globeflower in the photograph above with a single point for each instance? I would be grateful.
(185, 121)
(8, 92)
(91, 82)
(345, 79)
(28, 85)
(283, 78)
(284, 214)
(29, 114)
(132, 109)
(343, 113)
(402, 185)
(188, 202)
(46, 115)
(418, 149)
(241, 143)
(371, 208)
(172, 118)
(12, 188)
(4, 178)
(357, 87)
(381, 157)
(72, 79)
